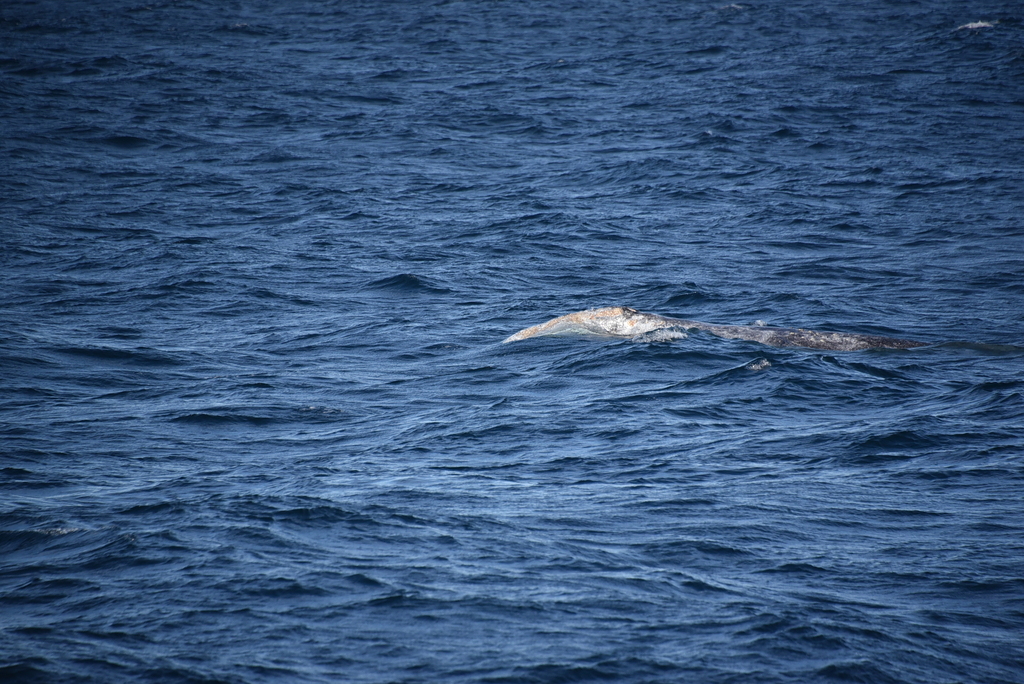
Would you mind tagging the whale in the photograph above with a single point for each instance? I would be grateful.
(622, 321)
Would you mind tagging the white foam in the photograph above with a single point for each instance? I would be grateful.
(976, 26)
(662, 335)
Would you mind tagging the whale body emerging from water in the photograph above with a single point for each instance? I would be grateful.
(621, 321)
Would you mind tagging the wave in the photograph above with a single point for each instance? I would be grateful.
(408, 283)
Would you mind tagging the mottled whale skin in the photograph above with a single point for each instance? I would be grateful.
(621, 321)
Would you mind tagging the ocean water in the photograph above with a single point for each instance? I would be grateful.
(257, 260)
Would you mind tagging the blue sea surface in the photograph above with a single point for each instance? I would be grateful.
(257, 260)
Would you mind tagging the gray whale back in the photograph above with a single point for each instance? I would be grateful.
(622, 321)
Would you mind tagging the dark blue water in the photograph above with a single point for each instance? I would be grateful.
(256, 423)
